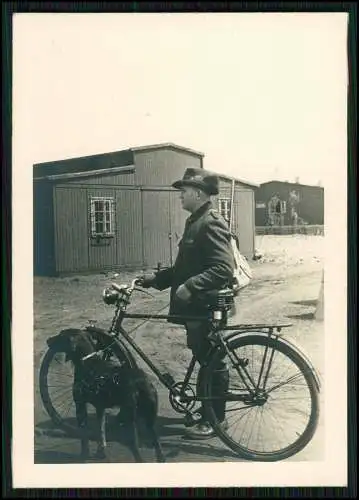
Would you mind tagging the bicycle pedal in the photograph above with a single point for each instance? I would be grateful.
(192, 419)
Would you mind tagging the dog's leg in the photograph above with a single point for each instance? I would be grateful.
(149, 410)
(81, 416)
(150, 417)
(101, 442)
(135, 441)
(132, 422)
(156, 444)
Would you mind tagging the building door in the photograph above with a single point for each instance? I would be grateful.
(177, 223)
(129, 228)
(244, 224)
(156, 228)
(163, 225)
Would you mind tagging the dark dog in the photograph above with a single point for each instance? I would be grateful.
(107, 384)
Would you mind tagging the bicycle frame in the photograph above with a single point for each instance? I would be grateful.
(166, 379)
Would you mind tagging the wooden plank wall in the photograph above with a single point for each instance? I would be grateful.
(143, 224)
(148, 227)
(71, 229)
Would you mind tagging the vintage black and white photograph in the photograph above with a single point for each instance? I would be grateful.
(180, 176)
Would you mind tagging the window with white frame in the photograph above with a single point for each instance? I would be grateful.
(224, 208)
(102, 215)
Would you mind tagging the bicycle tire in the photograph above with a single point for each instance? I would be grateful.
(304, 369)
(118, 350)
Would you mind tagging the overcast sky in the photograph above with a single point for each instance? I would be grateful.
(262, 95)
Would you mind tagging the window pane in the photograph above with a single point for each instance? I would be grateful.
(224, 206)
(102, 215)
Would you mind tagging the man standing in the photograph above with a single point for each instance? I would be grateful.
(204, 262)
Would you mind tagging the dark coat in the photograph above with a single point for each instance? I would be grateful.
(204, 261)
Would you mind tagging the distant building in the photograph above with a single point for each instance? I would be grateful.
(289, 203)
(118, 210)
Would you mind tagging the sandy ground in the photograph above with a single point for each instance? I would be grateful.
(285, 287)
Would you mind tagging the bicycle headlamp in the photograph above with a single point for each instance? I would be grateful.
(110, 296)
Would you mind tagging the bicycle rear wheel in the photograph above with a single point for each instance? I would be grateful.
(56, 378)
(272, 402)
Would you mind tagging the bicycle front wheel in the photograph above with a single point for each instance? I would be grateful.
(272, 401)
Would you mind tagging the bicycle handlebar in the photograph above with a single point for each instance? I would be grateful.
(130, 288)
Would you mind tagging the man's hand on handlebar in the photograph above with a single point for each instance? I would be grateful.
(147, 281)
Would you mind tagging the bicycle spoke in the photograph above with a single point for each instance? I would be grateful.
(243, 414)
(255, 419)
(61, 393)
(68, 409)
(57, 385)
(278, 423)
(63, 360)
(62, 373)
(65, 403)
(291, 409)
(262, 366)
(259, 427)
(245, 423)
(293, 377)
(240, 408)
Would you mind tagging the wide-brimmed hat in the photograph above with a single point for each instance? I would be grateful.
(199, 178)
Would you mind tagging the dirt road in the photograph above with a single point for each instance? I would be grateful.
(284, 289)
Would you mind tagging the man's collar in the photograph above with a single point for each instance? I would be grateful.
(201, 210)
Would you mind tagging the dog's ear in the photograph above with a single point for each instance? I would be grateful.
(70, 341)
(51, 340)
(60, 339)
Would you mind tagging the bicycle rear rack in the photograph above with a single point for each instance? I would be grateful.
(256, 327)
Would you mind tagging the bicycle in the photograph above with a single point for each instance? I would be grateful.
(270, 379)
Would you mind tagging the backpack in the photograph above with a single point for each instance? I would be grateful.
(242, 273)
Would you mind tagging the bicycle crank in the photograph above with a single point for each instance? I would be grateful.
(182, 398)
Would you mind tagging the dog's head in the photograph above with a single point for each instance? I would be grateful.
(75, 343)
